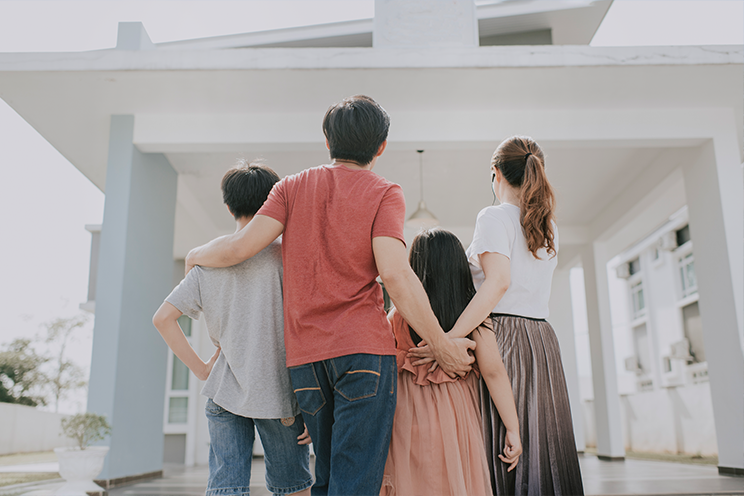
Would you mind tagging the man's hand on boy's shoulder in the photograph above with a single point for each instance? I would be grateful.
(204, 374)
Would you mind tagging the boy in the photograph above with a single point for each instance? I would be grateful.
(342, 225)
(247, 381)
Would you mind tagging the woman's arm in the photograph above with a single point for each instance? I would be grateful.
(497, 269)
(488, 358)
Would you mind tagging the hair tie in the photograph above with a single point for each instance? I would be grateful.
(528, 154)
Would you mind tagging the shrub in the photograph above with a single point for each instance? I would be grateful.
(86, 428)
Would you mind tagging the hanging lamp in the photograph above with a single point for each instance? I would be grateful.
(422, 218)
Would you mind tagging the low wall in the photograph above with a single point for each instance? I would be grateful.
(667, 420)
(25, 429)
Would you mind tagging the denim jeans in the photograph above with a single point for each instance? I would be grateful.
(231, 452)
(348, 404)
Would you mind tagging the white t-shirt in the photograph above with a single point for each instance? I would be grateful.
(498, 230)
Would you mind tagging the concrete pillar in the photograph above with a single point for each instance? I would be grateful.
(608, 423)
(561, 318)
(714, 200)
(135, 273)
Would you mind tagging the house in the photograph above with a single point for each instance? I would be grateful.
(632, 135)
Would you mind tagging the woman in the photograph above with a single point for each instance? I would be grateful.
(512, 259)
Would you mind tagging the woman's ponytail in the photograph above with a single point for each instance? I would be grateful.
(521, 161)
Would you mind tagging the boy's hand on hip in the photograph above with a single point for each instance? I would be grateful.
(208, 366)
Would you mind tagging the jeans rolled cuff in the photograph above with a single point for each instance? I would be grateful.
(229, 491)
(289, 490)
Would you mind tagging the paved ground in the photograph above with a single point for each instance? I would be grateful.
(631, 477)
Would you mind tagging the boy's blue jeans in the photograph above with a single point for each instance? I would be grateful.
(231, 452)
(348, 404)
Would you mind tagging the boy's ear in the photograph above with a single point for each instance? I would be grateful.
(228, 209)
(382, 148)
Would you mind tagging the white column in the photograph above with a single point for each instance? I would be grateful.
(608, 423)
(714, 198)
(135, 273)
(561, 318)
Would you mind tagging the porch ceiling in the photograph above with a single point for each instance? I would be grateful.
(602, 115)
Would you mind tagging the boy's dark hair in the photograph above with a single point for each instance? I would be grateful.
(246, 186)
(355, 128)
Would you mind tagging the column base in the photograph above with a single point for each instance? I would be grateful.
(130, 479)
(731, 471)
(606, 458)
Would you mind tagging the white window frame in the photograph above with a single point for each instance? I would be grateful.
(636, 280)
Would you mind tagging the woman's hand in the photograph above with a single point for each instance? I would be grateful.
(304, 438)
(512, 449)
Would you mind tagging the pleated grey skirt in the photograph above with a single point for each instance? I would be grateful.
(549, 464)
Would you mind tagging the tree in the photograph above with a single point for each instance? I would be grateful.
(65, 375)
(21, 378)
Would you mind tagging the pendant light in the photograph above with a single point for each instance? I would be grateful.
(422, 218)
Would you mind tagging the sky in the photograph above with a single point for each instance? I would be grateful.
(45, 202)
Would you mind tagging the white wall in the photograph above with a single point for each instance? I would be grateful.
(25, 429)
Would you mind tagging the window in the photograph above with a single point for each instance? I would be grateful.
(180, 376)
(683, 235)
(185, 323)
(694, 331)
(177, 387)
(687, 275)
(634, 266)
(178, 410)
(637, 300)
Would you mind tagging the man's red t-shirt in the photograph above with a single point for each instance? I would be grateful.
(333, 305)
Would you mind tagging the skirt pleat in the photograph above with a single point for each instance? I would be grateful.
(549, 464)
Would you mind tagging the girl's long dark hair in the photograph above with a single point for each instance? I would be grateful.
(438, 259)
(522, 163)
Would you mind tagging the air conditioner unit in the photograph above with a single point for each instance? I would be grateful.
(681, 349)
(623, 270)
(631, 364)
(668, 241)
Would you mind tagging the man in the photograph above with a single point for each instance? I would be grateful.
(342, 225)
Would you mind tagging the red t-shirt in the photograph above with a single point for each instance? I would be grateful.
(333, 304)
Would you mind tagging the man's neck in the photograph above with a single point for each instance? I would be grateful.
(242, 222)
(354, 165)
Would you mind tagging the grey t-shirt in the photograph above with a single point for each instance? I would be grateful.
(242, 306)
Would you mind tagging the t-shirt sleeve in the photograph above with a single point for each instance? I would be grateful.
(391, 215)
(492, 234)
(275, 205)
(186, 297)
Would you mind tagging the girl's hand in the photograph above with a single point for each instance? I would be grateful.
(304, 438)
(512, 450)
(423, 353)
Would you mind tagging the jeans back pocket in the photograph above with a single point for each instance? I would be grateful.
(358, 375)
(307, 388)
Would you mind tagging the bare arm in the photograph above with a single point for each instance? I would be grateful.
(497, 269)
(494, 374)
(411, 301)
(166, 322)
(227, 251)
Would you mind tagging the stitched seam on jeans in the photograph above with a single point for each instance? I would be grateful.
(307, 389)
(366, 371)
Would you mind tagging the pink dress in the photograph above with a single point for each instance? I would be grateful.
(437, 444)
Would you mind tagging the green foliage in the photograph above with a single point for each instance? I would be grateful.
(86, 428)
(20, 376)
(65, 374)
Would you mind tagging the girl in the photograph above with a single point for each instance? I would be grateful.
(512, 258)
(437, 446)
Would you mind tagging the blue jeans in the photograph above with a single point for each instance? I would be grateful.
(231, 452)
(348, 404)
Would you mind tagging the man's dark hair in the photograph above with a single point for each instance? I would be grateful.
(355, 128)
(246, 187)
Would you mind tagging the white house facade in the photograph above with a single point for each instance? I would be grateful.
(636, 138)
